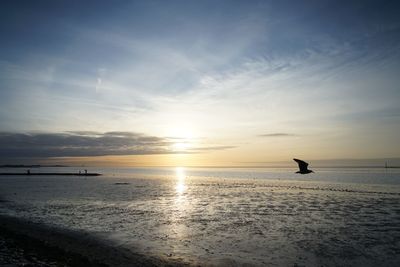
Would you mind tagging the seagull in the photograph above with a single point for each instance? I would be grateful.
(302, 166)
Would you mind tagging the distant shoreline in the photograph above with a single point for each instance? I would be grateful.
(17, 166)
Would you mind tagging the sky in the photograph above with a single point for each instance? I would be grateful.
(198, 83)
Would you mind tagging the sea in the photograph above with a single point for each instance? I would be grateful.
(223, 216)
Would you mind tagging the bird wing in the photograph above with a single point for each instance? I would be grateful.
(302, 164)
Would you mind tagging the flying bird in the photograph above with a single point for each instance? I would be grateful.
(302, 166)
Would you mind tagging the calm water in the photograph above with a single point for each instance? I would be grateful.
(225, 216)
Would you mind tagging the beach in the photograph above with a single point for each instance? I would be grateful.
(198, 217)
(23, 243)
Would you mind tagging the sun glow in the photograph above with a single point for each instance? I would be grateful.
(181, 130)
(183, 138)
(181, 146)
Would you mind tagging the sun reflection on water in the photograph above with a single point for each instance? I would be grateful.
(180, 183)
(178, 228)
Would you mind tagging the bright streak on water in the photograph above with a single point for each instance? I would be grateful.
(180, 180)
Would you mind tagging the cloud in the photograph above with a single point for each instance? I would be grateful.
(276, 135)
(87, 143)
(71, 144)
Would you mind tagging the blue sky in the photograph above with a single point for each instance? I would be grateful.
(256, 80)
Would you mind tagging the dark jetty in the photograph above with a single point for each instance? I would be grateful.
(51, 173)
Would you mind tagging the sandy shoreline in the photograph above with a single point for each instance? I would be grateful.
(24, 243)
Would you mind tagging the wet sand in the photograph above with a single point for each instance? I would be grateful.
(24, 243)
(212, 221)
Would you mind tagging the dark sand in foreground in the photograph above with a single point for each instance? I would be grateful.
(24, 243)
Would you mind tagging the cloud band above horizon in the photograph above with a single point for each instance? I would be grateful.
(89, 143)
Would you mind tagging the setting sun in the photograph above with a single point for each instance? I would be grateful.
(181, 146)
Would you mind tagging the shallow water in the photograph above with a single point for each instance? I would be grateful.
(225, 216)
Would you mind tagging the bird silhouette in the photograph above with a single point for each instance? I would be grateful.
(302, 166)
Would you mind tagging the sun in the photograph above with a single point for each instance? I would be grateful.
(182, 138)
(181, 146)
